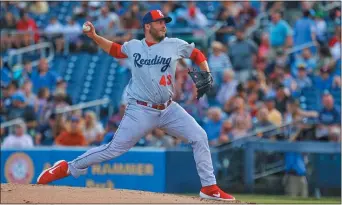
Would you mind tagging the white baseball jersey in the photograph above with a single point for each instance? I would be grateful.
(153, 75)
(154, 67)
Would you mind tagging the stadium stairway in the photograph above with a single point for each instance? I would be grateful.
(91, 77)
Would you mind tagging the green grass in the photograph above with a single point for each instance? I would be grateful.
(280, 199)
(272, 199)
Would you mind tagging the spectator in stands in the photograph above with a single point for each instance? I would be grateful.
(110, 132)
(303, 81)
(19, 139)
(46, 132)
(5, 74)
(72, 137)
(92, 130)
(329, 119)
(158, 138)
(229, 106)
(31, 98)
(7, 92)
(264, 124)
(72, 32)
(8, 22)
(19, 109)
(284, 77)
(282, 96)
(44, 77)
(280, 33)
(240, 119)
(325, 59)
(274, 116)
(306, 60)
(335, 43)
(264, 48)
(108, 22)
(167, 10)
(42, 104)
(304, 30)
(61, 89)
(94, 10)
(234, 8)
(27, 24)
(195, 17)
(296, 115)
(225, 135)
(320, 27)
(228, 88)
(213, 125)
(25, 72)
(80, 11)
(295, 181)
(227, 30)
(323, 81)
(131, 19)
(54, 32)
(241, 53)
(218, 61)
(39, 7)
(246, 16)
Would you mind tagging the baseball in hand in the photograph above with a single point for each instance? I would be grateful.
(86, 28)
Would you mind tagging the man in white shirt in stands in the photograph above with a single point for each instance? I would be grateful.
(19, 139)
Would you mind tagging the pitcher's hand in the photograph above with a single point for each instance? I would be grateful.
(91, 33)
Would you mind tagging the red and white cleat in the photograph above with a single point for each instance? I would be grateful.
(58, 171)
(215, 193)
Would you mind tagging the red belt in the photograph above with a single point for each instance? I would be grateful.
(155, 106)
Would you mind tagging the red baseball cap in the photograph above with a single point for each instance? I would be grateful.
(155, 15)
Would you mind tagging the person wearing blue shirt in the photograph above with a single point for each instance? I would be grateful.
(213, 126)
(304, 31)
(111, 129)
(329, 118)
(295, 179)
(44, 77)
(306, 60)
(280, 31)
(324, 81)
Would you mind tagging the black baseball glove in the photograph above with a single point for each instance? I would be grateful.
(203, 81)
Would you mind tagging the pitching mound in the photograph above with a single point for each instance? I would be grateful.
(19, 193)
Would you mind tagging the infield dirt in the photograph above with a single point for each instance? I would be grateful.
(29, 193)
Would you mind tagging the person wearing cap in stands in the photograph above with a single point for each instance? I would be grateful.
(19, 139)
(323, 81)
(302, 80)
(19, 109)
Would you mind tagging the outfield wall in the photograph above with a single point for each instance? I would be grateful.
(148, 169)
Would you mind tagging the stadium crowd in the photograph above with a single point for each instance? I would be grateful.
(258, 83)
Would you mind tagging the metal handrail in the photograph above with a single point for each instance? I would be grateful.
(79, 106)
(251, 136)
(39, 46)
(301, 47)
(12, 122)
(82, 105)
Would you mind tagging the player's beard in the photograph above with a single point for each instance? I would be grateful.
(155, 34)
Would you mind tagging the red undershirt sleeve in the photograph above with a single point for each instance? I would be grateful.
(197, 56)
(116, 52)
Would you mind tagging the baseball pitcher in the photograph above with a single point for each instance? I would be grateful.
(153, 61)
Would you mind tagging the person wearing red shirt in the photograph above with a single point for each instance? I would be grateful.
(27, 24)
